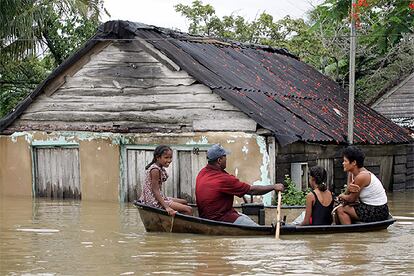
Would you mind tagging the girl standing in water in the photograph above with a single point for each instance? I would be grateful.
(155, 176)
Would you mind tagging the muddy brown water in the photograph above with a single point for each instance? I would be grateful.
(46, 237)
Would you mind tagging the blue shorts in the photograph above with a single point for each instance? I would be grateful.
(245, 220)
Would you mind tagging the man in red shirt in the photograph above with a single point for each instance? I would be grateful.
(215, 189)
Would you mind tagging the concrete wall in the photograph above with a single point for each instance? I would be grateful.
(100, 167)
(15, 167)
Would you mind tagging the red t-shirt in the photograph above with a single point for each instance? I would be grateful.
(215, 189)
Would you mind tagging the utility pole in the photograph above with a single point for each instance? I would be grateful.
(352, 76)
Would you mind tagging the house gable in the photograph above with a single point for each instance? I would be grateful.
(129, 87)
(398, 103)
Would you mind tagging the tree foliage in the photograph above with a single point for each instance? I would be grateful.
(36, 36)
(384, 42)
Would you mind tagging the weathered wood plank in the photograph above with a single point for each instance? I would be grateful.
(140, 168)
(194, 89)
(401, 168)
(200, 107)
(386, 171)
(156, 116)
(198, 161)
(216, 124)
(108, 56)
(400, 159)
(169, 187)
(185, 179)
(131, 176)
(144, 70)
(399, 179)
(118, 126)
(123, 82)
(151, 50)
(143, 99)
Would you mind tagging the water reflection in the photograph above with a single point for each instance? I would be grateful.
(44, 237)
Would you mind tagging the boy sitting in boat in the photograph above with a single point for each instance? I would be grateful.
(319, 202)
(155, 176)
(369, 203)
(215, 190)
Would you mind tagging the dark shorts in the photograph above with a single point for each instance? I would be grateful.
(370, 213)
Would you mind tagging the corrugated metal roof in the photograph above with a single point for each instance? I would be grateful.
(274, 88)
(270, 85)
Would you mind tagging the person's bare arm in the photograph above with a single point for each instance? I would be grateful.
(155, 186)
(308, 212)
(264, 189)
(359, 182)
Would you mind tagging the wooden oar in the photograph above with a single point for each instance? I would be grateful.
(279, 204)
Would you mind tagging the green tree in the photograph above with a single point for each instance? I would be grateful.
(293, 34)
(384, 42)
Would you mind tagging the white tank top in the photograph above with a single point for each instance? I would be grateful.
(374, 193)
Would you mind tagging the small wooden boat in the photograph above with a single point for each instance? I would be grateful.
(158, 220)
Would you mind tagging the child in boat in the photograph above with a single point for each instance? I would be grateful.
(155, 176)
(319, 202)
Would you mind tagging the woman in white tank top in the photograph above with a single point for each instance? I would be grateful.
(369, 202)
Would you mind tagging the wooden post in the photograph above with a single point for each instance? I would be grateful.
(279, 204)
(352, 76)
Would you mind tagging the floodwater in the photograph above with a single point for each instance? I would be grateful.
(44, 237)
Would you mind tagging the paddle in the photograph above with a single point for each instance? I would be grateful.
(279, 203)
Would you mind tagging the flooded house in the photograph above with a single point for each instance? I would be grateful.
(397, 104)
(90, 128)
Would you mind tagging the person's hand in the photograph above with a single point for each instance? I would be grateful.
(279, 187)
(353, 188)
(170, 211)
(341, 198)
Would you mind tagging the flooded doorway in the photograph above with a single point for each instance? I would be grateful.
(56, 172)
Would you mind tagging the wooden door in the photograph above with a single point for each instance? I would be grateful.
(56, 171)
(190, 163)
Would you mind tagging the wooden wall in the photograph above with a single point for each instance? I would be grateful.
(123, 88)
(399, 102)
(403, 176)
(410, 167)
(393, 164)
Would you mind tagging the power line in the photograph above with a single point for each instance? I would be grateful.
(196, 39)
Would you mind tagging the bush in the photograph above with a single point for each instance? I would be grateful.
(292, 196)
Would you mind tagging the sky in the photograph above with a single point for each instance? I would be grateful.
(161, 13)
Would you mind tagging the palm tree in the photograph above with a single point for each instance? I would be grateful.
(25, 24)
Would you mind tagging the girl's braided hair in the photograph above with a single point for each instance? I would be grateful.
(157, 153)
(320, 176)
